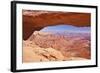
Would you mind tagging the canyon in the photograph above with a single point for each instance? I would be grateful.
(64, 45)
(52, 47)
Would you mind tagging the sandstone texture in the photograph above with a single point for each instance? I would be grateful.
(34, 53)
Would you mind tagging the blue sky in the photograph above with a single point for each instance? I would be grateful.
(65, 28)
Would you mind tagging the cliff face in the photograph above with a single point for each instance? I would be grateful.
(36, 20)
(70, 46)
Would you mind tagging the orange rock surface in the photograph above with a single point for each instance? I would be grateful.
(34, 53)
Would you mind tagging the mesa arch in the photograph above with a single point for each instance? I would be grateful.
(36, 20)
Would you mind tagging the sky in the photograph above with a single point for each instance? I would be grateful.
(66, 28)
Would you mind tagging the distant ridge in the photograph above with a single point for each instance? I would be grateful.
(66, 28)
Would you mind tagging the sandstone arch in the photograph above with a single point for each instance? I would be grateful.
(36, 20)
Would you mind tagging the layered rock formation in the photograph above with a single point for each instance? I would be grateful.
(77, 46)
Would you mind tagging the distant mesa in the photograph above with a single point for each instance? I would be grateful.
(63, 30)
(66, 28)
